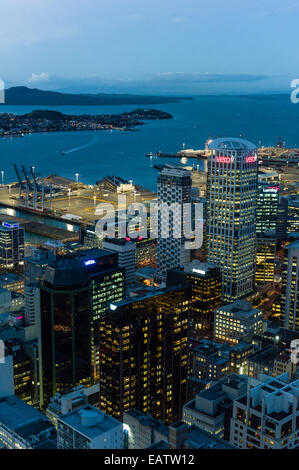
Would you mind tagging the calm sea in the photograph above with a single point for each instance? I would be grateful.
(123, 153)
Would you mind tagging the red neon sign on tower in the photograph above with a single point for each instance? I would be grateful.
(222, 159)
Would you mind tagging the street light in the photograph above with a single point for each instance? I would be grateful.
(2, 176)
(77, 178)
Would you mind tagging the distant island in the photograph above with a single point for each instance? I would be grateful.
(45, 120)
(22, 95)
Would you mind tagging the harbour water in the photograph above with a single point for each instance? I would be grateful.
(124, 153)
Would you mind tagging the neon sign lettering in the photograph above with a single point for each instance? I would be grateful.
(90, 262)
(221, 159)
(250, 159)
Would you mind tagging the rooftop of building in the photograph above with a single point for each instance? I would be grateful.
(177, 172)
(89, 421)
(29, 423)
(7, 225)
(151, 293)
(265, 356)
(147, 420)
(67, 270)
(199, 268)
(126, 242)
(10, 277)
(278, 394)
(231, 143)
(240, 308)
(293, 245)
(196, 438)
(218, 390)
(241, 346)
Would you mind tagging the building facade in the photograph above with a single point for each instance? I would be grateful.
(231, 205)
(290, 288)
(174, 187)
(236, 321)
(204, 279)
(266, 417)
(89, 428)
(12, 242)
(74, 295)
(144, 355)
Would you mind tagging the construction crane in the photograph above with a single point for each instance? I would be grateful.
(34, 192)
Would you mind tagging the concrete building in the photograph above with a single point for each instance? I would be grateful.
(141, 430)
(266, 416)
(238, 357)
(12, 242)
(89, 428)
(290, 287)
(231, 203)
(24, 427)
(207, 362)
(13, 282)
(6, 373)
(271, 361)
(61, 404)
(35, 264)
(174, 190)
(31, 304)
(126, 256)
(237, 320)
(211, 409)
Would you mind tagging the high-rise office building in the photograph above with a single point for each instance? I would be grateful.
(74, 295)
(174, 187)
(205, 282)
(265, 257)
(266, 207)
(282, 219)
(34, 271)
(293, 214)
(266, 231)
(290, 287)
(231, 204)
(12, 240)
(144, 355)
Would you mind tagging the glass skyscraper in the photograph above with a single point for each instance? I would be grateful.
(144, 355)
(74, 295)
(231, 205)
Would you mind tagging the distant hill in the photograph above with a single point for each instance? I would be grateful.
(22, 95)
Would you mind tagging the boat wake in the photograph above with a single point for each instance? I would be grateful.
(81, 147)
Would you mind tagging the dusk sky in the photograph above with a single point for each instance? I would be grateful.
(53, 41)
